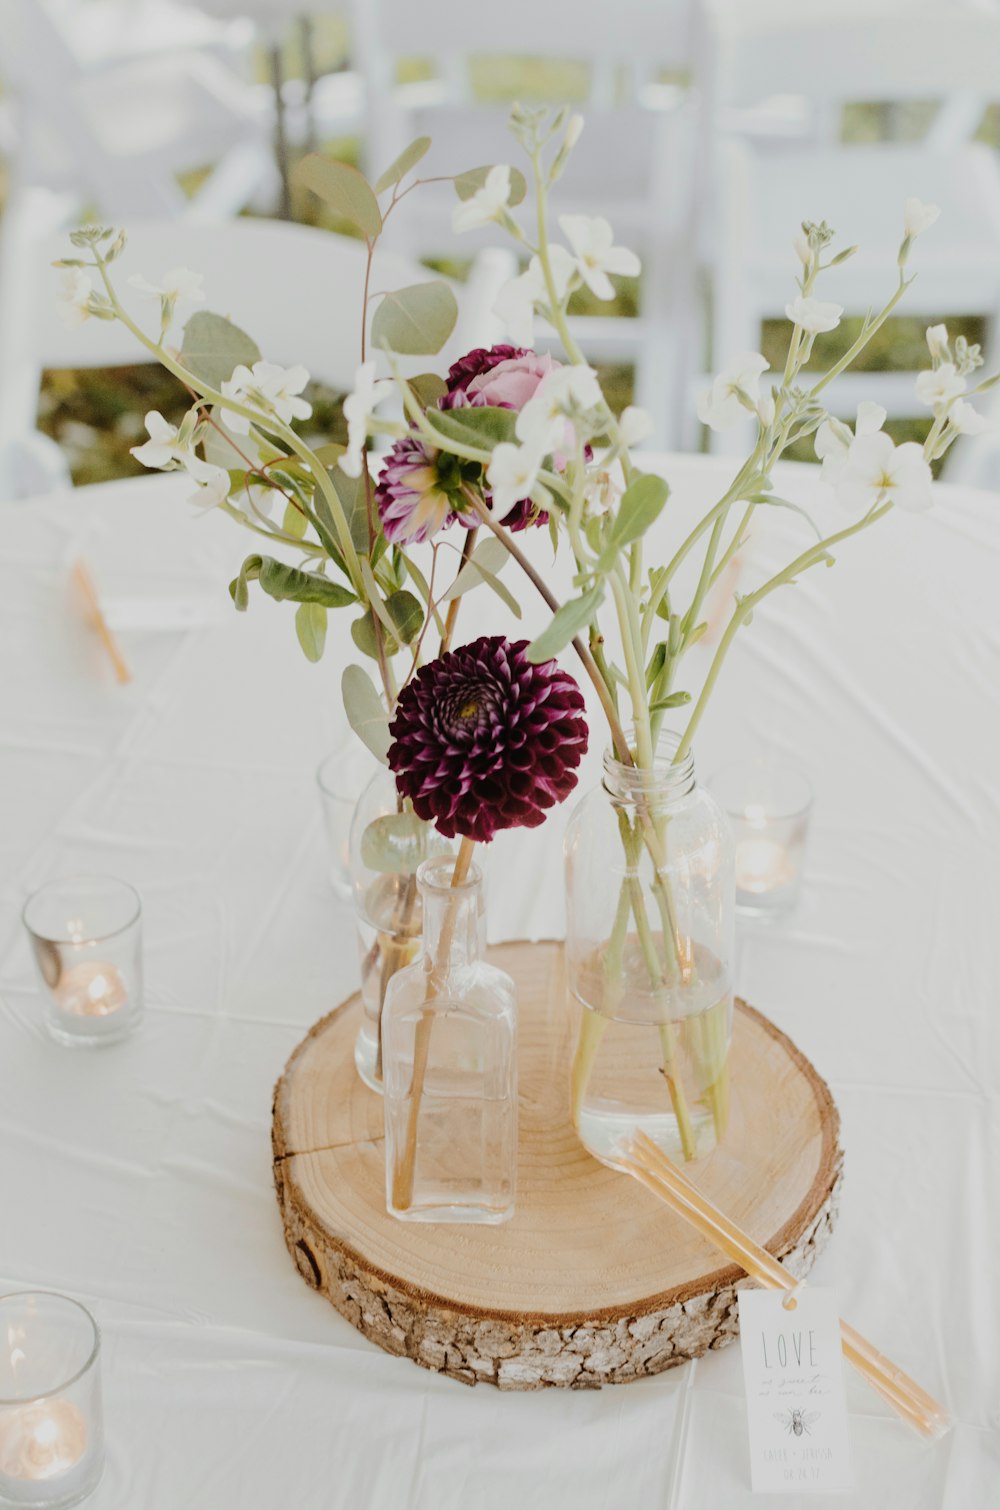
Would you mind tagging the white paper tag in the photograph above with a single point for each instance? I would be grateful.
(794, 1375)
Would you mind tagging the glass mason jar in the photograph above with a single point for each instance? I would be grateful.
(449, 1055)
(649, 874)
(387, 844)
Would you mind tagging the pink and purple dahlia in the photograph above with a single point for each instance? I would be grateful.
(484, 740)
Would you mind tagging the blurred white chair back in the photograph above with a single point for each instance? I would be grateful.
(119, 129)
(296, 290)
(883, 50)
(634, 164)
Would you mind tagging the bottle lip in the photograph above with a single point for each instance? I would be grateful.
(667, 778)
(434, 875)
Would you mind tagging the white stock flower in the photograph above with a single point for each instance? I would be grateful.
(937, 342)
(733, 392)
(562, 394)
(634, 425)
(591, 238)
(765, 409)
(213, 485)
(74, 301)
(179, 283)
(511, 474)
(516, 302)
(169, 448)
(814, 315)
(359, 407)
(967, 420)
(833, 438)
(940, 386)
(269, 388)
(256, 501)
(918, 217)
(876, 471)
(602, 491)
(802, 249)
(486, 203)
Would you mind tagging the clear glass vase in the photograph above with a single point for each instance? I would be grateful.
(650, 891)
(449, 1056)
(388, 842)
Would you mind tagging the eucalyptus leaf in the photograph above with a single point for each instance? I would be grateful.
(488, 558)
(639, 507)
(287, 583)
(295, 522)
(570, 619)
(397, 843)
(427, 388)
(365, 712)
(363, 635)
(406, 160)
(354, 501)
(310, 626)
(346, 191)
(467, 183)
(213, 346)
(417, 320)
(483, 427)
(407, 614)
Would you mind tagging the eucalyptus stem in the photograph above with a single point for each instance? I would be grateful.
(746, 606)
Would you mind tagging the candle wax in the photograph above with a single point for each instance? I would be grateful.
(93, 988)
(42, 1439)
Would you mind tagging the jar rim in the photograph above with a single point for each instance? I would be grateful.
(435, 874)
(667, 775)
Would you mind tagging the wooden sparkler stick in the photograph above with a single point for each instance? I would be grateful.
(652, 1168)
(84, 584)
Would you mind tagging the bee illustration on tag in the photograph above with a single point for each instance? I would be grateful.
(797, 1422)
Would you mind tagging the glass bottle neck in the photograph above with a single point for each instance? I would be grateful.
(454, 932)
(664, 784)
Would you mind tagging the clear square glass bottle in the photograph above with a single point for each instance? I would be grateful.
(449, 1057)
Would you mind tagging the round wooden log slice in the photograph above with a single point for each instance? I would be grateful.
(594, 1281)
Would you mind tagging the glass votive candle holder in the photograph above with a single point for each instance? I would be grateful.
(341, 779)
(768, 804)
(86, 936)
(51, 1429)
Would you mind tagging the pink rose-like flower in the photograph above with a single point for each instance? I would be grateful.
(513, 382)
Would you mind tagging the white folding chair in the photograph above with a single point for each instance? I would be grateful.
(119, 131)
(634, 164)
(882, 50)
(296, 290)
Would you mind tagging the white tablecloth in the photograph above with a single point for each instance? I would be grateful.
(138, 1178)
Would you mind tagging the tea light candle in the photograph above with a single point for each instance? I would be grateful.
(86, 936)
(42, 1440)
(768, 806)
(93, 988)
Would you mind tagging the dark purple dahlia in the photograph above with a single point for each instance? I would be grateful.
(475, 363)
(484, 740)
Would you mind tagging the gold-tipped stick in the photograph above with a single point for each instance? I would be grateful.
(84, 583)
(652, 1168)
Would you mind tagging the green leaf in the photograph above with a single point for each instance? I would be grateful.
(773, 500)
(295, 522)
(657, 661)
(427, 388)
(415, 321)
(488, 558)
(466, 184)
(310, 626)
(363, 635)
(354, 501)
(640, 505)
(397, 843)
(406, 160)
(407, 614)
(675, 700)
(483, 427)
(365, 713)
(213, 346)
(570, 619)
(287, 583)
(344, 189)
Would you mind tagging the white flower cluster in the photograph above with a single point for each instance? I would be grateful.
(589, 259)
(865, 468)
(268, 388)
(171, 448)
